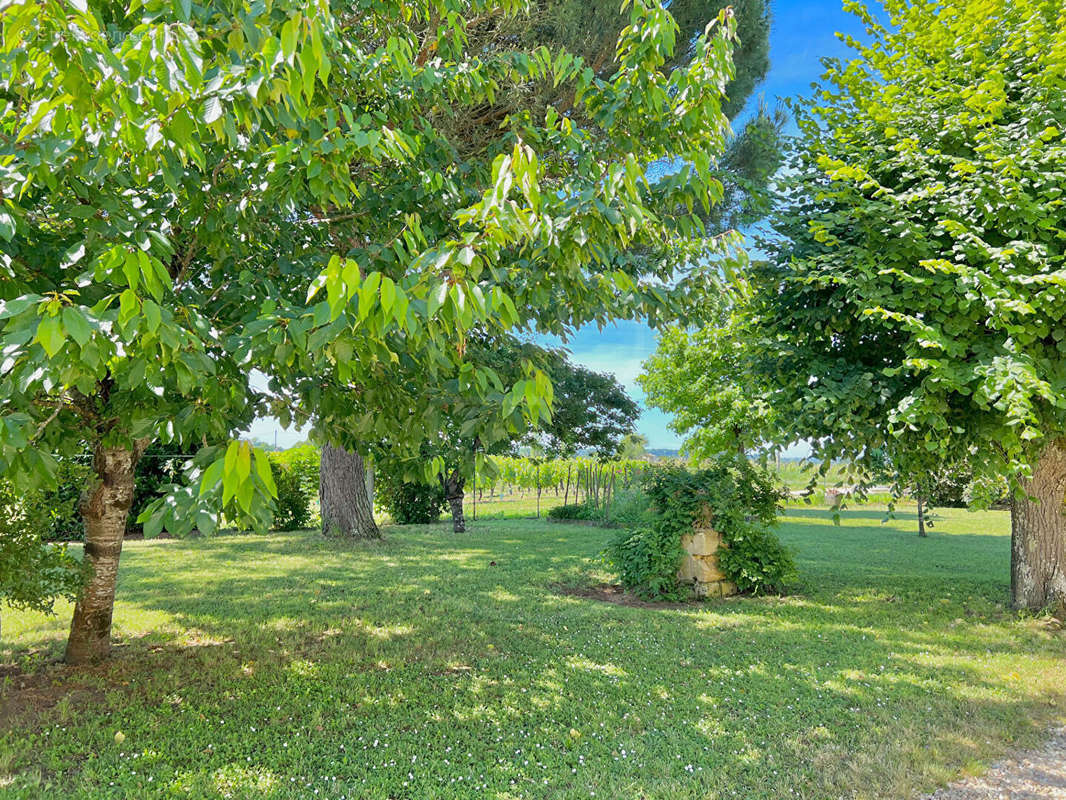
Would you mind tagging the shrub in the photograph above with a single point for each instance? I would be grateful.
(756, 561)
(32, 573)
(304, 461)
(580, 511)
(292, 508)
(647, 560)
(743, 499)
(630, 508)
(410, 503)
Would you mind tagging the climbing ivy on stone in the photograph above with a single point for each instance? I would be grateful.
(731, 495)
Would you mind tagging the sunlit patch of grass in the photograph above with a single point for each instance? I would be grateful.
(513, 506)
(441, 665)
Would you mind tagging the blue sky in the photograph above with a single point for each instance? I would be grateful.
(801, 34)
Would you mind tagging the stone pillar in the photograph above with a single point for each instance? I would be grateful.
(699, 566)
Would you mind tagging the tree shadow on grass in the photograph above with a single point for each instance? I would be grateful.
(866, 685)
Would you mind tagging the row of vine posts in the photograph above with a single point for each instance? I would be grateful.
(578, 480)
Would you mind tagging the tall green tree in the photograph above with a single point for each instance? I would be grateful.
(567, 29)
(633, 446)
(131, 149)
(915, 297)
(589, 411)
(702, 379)
(189, 191)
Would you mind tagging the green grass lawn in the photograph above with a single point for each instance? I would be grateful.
(512, 506)
(438, 666)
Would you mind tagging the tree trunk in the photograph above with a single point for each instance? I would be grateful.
(1038, 535)
(342, 495)
(921, 517)
(104, 507)
(453, 493)
(369, 482)
(607, 500)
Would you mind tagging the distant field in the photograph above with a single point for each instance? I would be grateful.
(524, 506)
(517, 505)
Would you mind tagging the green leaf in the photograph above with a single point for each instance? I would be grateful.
(76, 326)
(51, 335)
(244, 495)
(436, 299)
(211, 477)
(388, 294)
(288, 38)
(12, 308)
(152, 315)
(244, 461)
(131, 268)
(262, 468)
(211, 109)
(128, 306)
(7, 226)
(153, 526)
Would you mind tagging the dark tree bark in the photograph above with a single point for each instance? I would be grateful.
(104, 507)
(1038, 535)
(346, 506)
(453, 493)
(921, 518)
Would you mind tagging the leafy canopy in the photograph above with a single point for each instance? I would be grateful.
(193, 191)
(700, 377)
(914, 298)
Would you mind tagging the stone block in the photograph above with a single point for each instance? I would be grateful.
(715, 589)
(707, 570)
(688, 568)
(701, 542)
(703, 569)
(699, 566)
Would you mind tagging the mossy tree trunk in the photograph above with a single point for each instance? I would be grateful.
(454, 484)
(105, 507)
(343, 495)
(1038, 535)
